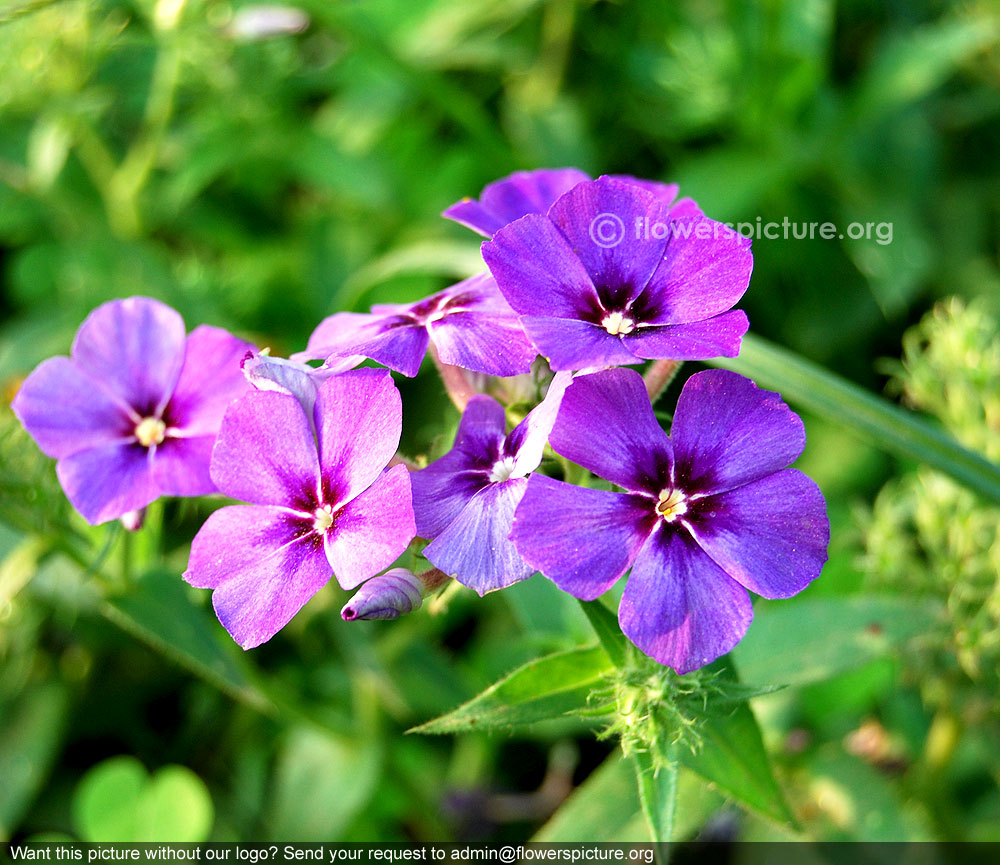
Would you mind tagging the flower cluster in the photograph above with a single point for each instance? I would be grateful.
(700, 518)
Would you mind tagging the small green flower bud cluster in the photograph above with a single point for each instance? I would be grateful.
(925, 534)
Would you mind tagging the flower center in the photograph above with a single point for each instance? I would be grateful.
(323, 519)
(672, 504)
(617, 323)
(150, 431)
(502, 470)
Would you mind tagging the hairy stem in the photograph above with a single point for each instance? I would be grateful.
(659, 376)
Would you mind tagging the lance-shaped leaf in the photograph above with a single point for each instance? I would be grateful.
(885, 425)
(732, 755)
(550, 687)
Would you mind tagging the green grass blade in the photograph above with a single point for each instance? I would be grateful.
(887, 426)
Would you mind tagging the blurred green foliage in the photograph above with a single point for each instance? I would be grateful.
(261, 183)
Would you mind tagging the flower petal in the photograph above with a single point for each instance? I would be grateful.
(571, 344)
(476, 548)
(705, 270)
(679, 607)
(265, 453)
(666, 192)
(359, 418)
(600, 220)
(606, 424)
(134, 348)
(727, 432)
(527, 440)
(372, 530)
(235, 537)
(395, 341)
(181, 466)
(512, 197)
(770, 535)
(719, 336)
(262, 568)
(65, 411)
(538, 272)
(483, 342)
(583, 540)
(441, 490)
(107, 481)
(210, 380)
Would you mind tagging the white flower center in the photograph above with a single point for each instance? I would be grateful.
(150, 431)
(672, 504)
(323, 519)
(502, 470)
(617, 323)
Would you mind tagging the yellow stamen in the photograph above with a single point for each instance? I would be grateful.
(672, 504)
(150, 431)
(617, 324)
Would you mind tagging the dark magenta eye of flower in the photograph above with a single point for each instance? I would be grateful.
(705, 514)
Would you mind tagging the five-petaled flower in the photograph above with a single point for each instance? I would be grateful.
(321, 503)
(133, 413)
(465, 501)
(470, 325)
(595, 289)
(706, 514)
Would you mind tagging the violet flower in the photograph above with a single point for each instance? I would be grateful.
(470, 324)
(465, 501)
(705, 516)
(319, 505)
(594, 288)
(524, 192)
(132, 414)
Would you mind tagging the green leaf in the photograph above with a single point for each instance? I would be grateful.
(30, 733)
(104, 804)
(609, 632)
(118, 801)
(885, 425)
(814, 639)
(321, 784)
(599, 808)
(550, 687)
(733, 757)
(159, 611)
(658, 790)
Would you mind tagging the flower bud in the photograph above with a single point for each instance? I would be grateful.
(389, 596)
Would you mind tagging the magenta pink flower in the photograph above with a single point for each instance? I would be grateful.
(323, 503)
(133, 413)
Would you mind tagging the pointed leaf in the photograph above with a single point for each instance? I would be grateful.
(609, 632)
(815, 639)
(658, 791)
(550, 687)
(733, 757)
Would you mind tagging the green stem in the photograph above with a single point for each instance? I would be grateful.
(658, 793)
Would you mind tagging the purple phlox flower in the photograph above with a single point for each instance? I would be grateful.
(595, 288)
(524, 192)
(465, 501)
(132, 414)
(388, 596)
(470, 324)
(706, 514)
(318, 504)
(295, 378)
